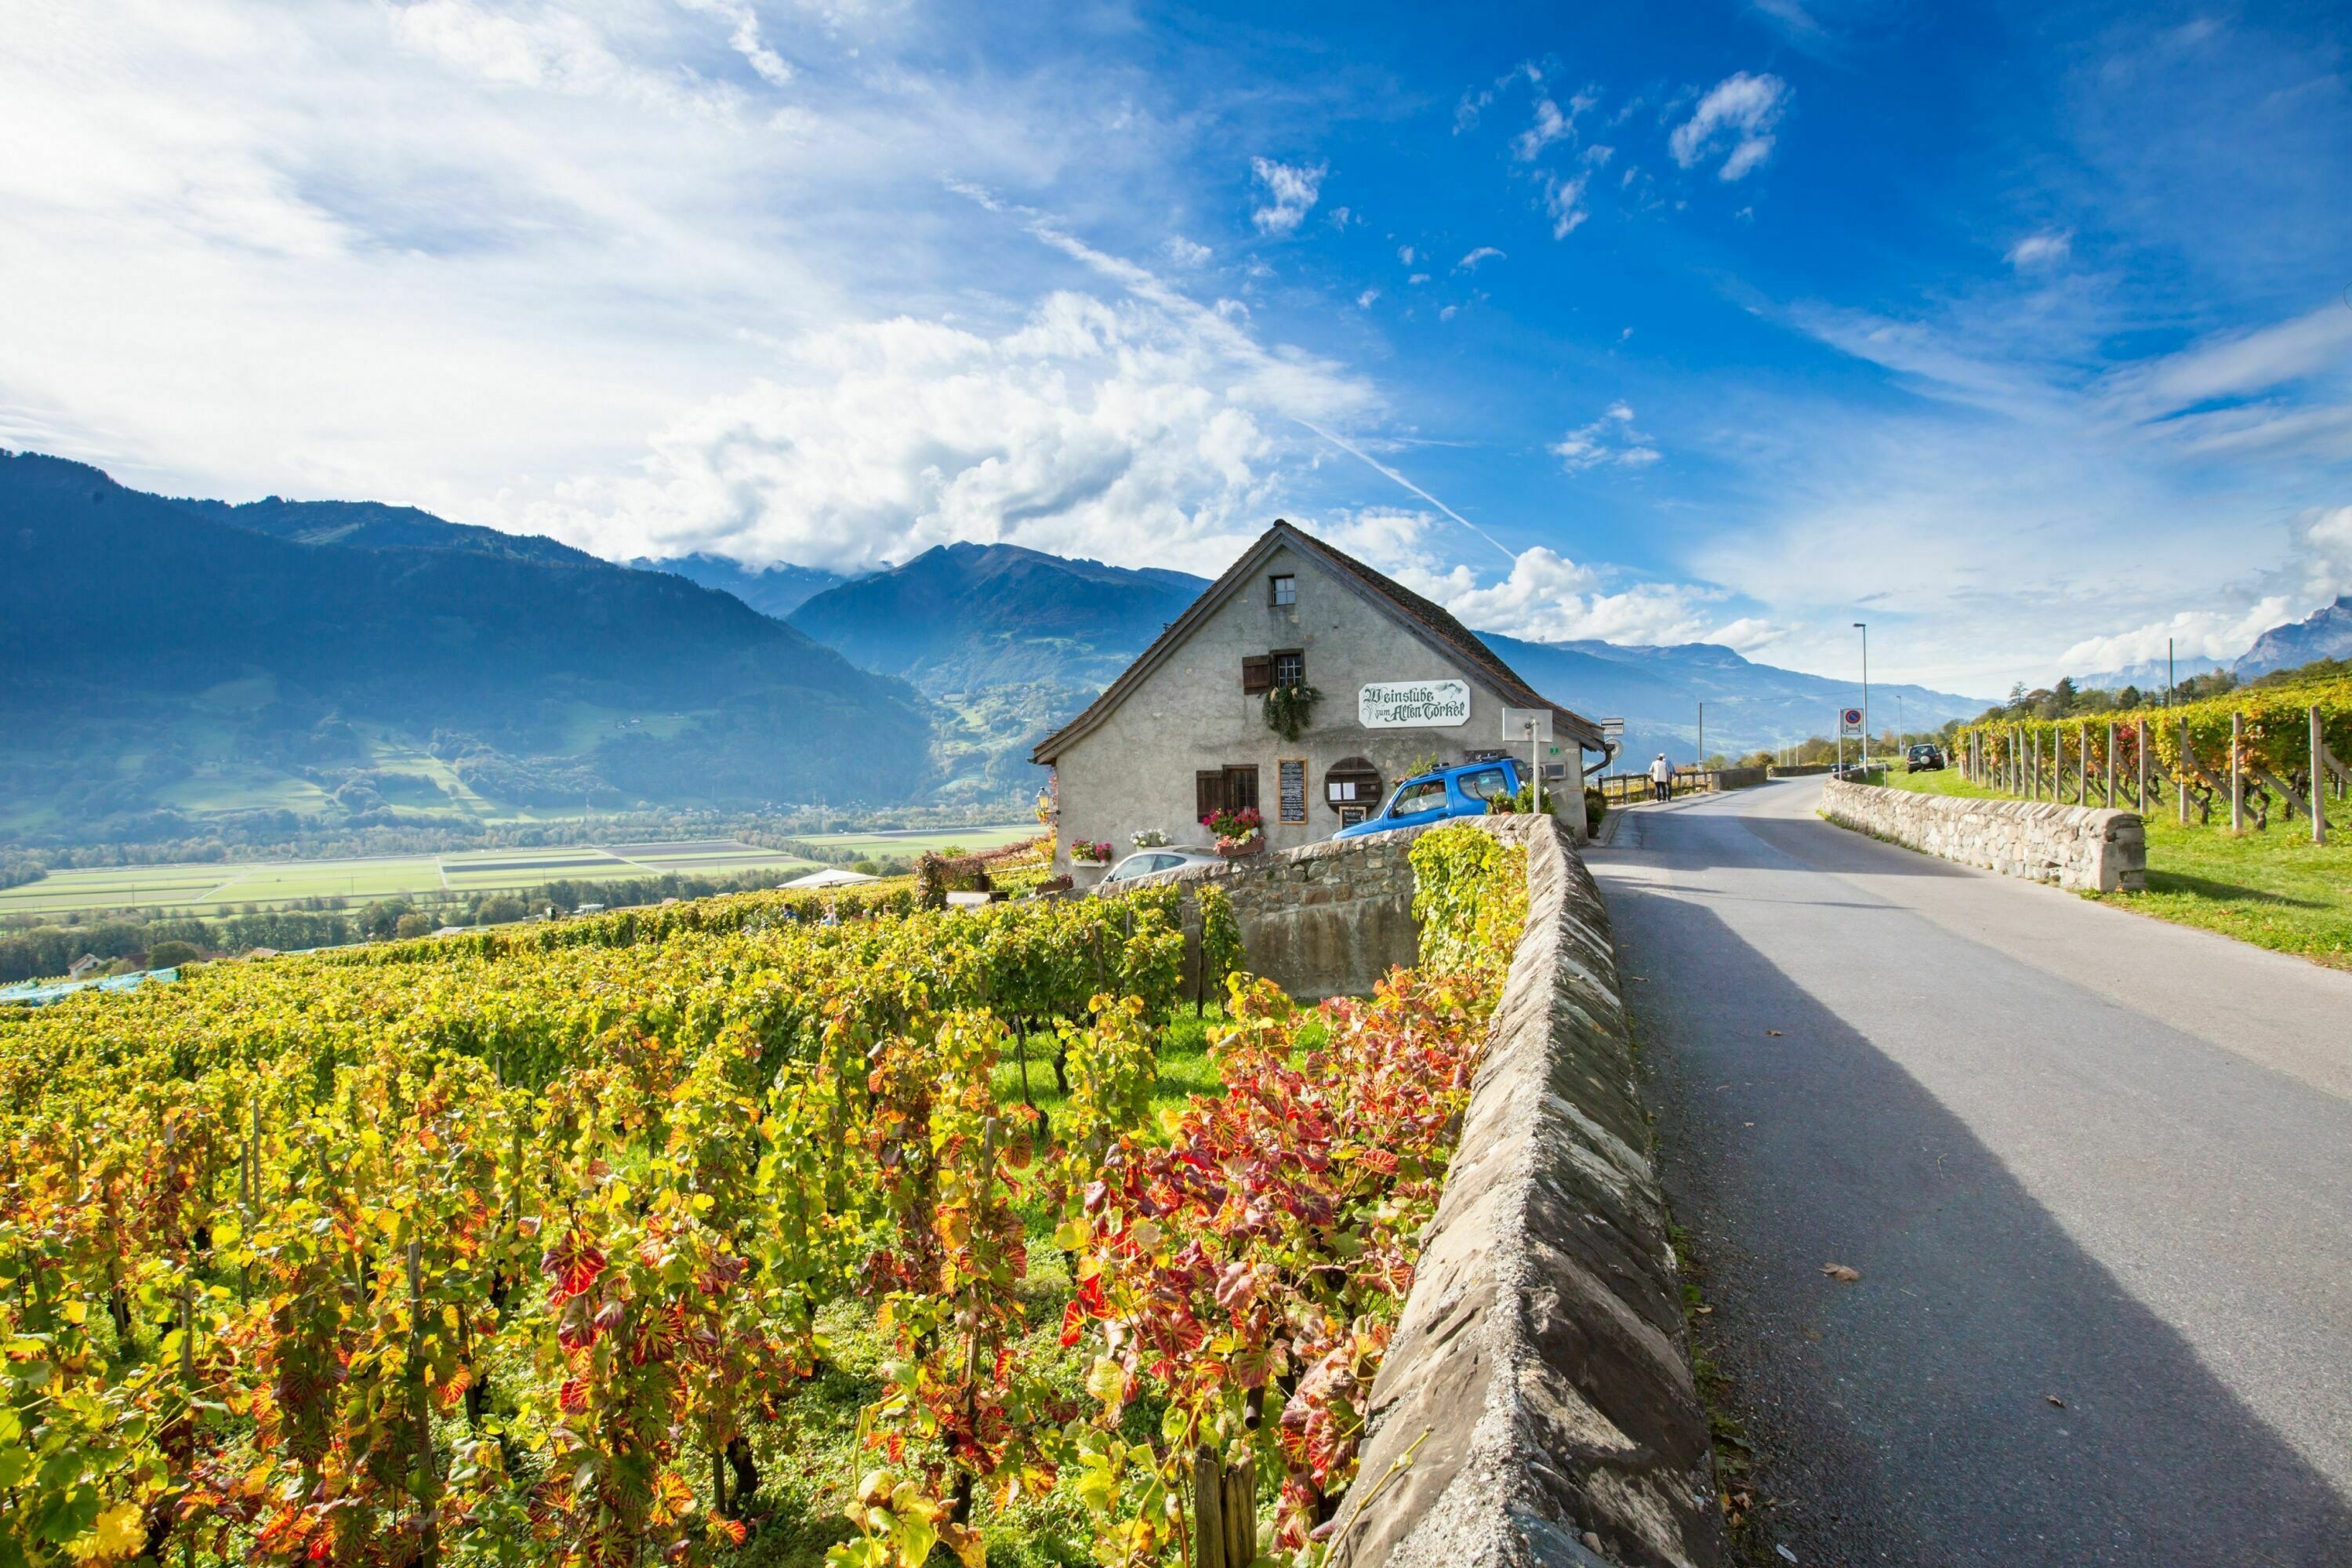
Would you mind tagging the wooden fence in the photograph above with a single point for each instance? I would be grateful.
(1620, 789)
(2133, 763)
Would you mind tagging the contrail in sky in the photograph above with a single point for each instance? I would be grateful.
(1366, 457)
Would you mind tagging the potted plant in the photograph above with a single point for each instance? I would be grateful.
(1096, 854)
(1149, 838)
(1239, 832)
(1289, 709)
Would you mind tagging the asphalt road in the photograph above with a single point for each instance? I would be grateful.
(2077, 1156)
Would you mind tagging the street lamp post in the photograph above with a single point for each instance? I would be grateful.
(1864, 627)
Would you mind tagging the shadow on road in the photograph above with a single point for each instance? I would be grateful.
(1986, 1392)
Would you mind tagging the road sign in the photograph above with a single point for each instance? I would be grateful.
(1850, 720)
(1515, 722)
(1613, 729)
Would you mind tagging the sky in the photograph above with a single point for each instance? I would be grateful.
(2023, 333)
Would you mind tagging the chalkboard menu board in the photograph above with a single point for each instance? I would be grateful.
(1292, 791)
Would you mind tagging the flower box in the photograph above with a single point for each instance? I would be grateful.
(1233, 847)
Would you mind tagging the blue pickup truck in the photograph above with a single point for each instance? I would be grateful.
(1460, 791)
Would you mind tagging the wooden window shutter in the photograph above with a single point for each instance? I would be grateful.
(1257, 673)
(1208, 791)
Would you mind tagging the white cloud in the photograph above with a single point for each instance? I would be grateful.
(2220, 634)
(1126, 430)
(1740, 110)
(1749, 635)
(1609, 441)
(1291, 190)
(1418, 277)
(1404, 254)
(1564, 200)
(1447, 313)
(1545, 596)
(744, 37)
(1484, 253)
(1549, 126)
(1185, 253)
(2040, 249)
(1364, 300)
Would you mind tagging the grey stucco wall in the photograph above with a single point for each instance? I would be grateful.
(1134, 772)
(1537, 1405)
(2084, 849)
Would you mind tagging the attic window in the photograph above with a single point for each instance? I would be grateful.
(1285, 591)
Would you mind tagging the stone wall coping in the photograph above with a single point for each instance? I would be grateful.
(1537, 1405)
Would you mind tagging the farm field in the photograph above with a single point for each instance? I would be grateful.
(722, 1233)
(215, 887)
(2274, 889)
(209, 889)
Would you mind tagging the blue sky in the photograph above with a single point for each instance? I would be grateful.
(2023, 333)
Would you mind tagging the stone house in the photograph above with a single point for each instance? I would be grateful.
(1402, 685)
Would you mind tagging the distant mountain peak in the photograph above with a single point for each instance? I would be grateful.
(2326, 633)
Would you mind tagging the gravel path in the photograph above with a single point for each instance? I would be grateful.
(2095, 1172)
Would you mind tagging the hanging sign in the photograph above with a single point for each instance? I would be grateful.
(1413, 704)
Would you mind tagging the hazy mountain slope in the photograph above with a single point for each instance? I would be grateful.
(965, 616)
(775, 591)
(370, 525)
(1010, 641)
(1749, 706)
(159, 660)
(2326, 633)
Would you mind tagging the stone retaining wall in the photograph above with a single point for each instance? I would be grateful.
(2084, 849)
(1537, 1405)
(1327, 919)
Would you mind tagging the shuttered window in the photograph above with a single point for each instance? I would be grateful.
(1224, 789)
(1257, 673)
(1208, 791)
(1289, 665)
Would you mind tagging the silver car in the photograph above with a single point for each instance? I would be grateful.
(1150, 863)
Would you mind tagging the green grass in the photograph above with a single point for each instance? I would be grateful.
(2274, 889)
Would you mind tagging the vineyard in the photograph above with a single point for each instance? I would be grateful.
(2248, 754)
(738, 1231)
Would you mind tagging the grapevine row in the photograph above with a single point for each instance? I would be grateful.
(518, 1251)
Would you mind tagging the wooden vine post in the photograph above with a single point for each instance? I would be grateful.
(2182, 774)
(2082, 763)
(2237, 774)
(2318, 779)
(2111, 765)
(2140, 751)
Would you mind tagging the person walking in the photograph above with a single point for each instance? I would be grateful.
(1661, 779)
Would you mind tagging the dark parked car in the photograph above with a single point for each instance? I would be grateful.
(1924, 758)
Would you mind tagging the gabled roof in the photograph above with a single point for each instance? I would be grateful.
(1431, 623)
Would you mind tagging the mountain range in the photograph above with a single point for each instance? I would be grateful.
(178, 661)
(170, 661)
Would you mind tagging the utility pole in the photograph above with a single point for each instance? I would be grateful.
(1864, 627)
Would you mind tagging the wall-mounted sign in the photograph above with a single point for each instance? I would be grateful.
(1292, 793)
(1413, 704)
